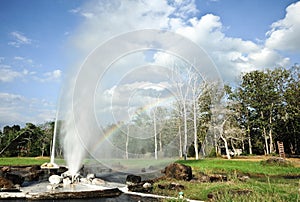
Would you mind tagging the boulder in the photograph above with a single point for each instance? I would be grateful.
(178, 171)
(17, 177)
(133, 179)
(5, 183)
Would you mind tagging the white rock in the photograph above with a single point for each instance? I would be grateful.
(98, 181)
(84, 180)
(147, 185)
(66, 181)
(66, 174)
(90, 176)
(55, 179)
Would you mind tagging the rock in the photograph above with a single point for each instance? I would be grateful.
(133, 179)
(67, 181)
(5, 169)
(217, 178)
(178, 171)
(84, 180)
(98, 181)
(5, 183)
(90, 176)
(147, 185)
(176, 186)
(277, 161)
(55, 179)
(171, 186)
(244, 178)
(141, 187)
(15, 176)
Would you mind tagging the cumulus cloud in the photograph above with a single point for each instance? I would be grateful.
(7, 74)
(19, 39)
(231, 55)
(15, 108)
(54, 75)
(284, 34)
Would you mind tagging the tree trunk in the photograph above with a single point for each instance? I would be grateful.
(155, 135)
(127, 141)
(232, 145)
(160, 141)
(266, 141)
(195, 131)
(265, 135)
(180, 142)
(226, 146)
(270, 131)
(249, 140)
(185, 131)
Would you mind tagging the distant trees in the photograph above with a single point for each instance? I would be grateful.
(31, 140)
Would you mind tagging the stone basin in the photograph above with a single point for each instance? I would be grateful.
(40, 191)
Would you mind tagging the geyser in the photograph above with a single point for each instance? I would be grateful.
(99, 118)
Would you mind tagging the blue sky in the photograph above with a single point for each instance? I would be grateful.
(40, 41)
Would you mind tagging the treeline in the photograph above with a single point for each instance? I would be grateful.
(31, 140)
(248, 117)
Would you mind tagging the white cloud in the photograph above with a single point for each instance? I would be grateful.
(7, 74)
(54, 75)
(17, 109)
(19, 39)
(284, 34)
(18, 58)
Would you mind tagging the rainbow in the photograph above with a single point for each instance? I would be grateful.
(116, 127)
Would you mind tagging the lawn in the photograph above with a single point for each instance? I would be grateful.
(266, 183)
(19, 161)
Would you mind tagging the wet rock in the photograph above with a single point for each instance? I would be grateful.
(55, 179)
(98, 181)
(90, 176)
(5, 183)
(84, 180)
(178, 171)
(133, 179)
(141, 187)
(15, 176)
(67, 181)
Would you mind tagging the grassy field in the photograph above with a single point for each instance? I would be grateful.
(14, 161)
(266, 183)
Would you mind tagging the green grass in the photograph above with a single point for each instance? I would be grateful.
(13, 161)
(246, 167)
(267, 183)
